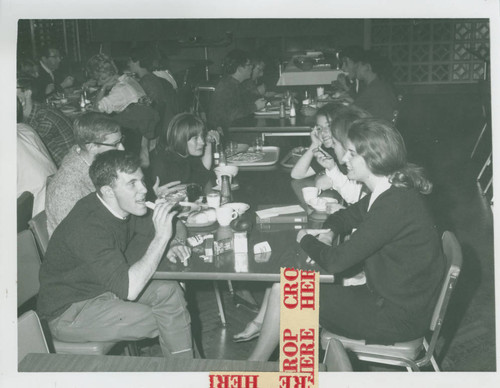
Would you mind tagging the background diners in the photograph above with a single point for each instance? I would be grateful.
(172, 166)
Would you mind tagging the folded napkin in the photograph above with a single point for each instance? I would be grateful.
(276, 211)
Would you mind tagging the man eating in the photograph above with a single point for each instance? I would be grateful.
(95, 282)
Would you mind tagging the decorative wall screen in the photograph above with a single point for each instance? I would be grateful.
(426, 51)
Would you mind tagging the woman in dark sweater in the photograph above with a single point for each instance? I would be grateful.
(184, 152)
(393, 237)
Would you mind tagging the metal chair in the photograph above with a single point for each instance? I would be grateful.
(24, 210)
(30, 337)
(38, 225)
(202, 98)
(28, 267)
(407, 353)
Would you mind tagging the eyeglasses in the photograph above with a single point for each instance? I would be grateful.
(122, 139)
(56, 56)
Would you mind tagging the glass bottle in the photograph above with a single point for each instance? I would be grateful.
(216, 148)
(282, 110)
(292, 108)
(222, 156)
(225, 190)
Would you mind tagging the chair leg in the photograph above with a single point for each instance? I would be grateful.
(230, 286)
(486, 164)
(435, 364)
(488, 186)
(219, 303)
(478, 140)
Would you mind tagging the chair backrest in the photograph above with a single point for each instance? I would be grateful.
(24, 210)
(202, 100)
(28, 266)
(453, 256)
(30, 337)
(38, 226)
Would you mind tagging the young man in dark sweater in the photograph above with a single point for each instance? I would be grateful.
(95, 283)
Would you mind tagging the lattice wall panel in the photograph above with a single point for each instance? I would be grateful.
(434, 50)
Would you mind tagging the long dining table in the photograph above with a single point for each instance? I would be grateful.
(256, 188)
(273, 125)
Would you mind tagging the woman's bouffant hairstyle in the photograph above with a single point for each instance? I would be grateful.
(383, 149)
(340, 117)
(182, 127)
(101, 63)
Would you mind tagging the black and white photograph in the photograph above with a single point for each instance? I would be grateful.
(171, 158)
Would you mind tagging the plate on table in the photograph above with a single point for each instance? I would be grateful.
(246, 157)
(268, 157)
(201, 218)
(319, 204)
(239, 149)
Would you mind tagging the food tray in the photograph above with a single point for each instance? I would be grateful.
(293, 156)
(271, 157)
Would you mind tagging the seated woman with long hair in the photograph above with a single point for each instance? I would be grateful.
(395, 240)
(184, 151)
(337, 122)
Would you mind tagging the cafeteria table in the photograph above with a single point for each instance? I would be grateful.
(285, 251)
(38, 362)
(317, 75)
(273, 125)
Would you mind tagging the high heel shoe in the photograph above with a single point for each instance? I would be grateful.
(252, 330)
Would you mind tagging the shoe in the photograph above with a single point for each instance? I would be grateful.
(252, 330)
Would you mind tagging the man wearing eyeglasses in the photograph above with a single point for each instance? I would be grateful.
(94, 134)
(50, 78)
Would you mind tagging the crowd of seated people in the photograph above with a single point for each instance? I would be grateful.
(105, 245)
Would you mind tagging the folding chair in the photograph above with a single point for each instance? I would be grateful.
(38, 225)
(28, 267)
(407, 353)
(24, 210)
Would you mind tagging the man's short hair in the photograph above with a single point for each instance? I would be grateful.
(106, 166)
(45, 50)
(234, 59)
(146, 57)
(93, 127)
